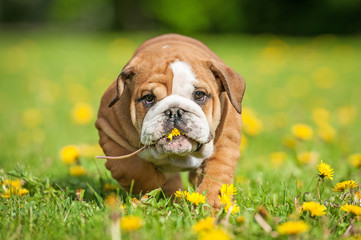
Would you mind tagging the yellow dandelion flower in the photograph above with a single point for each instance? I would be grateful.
(326, 132)
(251, 124)
(346, 115)
(175, 132)
(196, 198)
(240, 219)
(307, 157)
(342, 186)
(355, 159)
(289, 142)
(203, 225)
(302, 131)
(82, 113)
(12, 183)
(227, 202)
(69, 154)
(321, 116)
(277, 158)
(131, 223)
(355, 210)
(14, 191)
(314, 208)
(228, 189)
(77, 170)
(214, 234)
(112, 201)
(181, 194)
(325, 170)
(292, 228)
(109, 187)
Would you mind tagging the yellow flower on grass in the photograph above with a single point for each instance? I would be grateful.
(109, 187)
(82, 113)
(314, 208)
(228, 189)
(307, 157)
(240, 219)
(321, 116)
(325, 170)
(277, 158)
(69, 154)
(181, 194)
(175, 132)
(342, 186)
(346, 115)
(196, 198)
(302, 131)
(355, 159)
(131, 223)
(203, 225)
(13, 187)
(77, 170)
(14, 191)
(251, 124)
(12, 183)
(326, 132)
(292, 228)
(355, 210)
(227, 202)
(214, 234)
(112, 201)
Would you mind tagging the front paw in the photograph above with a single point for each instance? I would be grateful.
(212, 196)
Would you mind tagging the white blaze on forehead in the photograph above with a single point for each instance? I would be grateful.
(183, 79)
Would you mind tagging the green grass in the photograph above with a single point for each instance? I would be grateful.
(287, 79)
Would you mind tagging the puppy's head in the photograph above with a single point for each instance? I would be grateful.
(181, 95)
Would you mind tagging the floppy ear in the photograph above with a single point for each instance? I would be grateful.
(126, 74)
(231, 81)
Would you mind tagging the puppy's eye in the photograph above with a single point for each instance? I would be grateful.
(148, 100)
(200, 96)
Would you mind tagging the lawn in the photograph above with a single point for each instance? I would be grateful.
(302, 106)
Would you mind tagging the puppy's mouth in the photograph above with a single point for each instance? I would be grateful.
(177, 143)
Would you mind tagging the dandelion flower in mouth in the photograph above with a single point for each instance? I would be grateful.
(175, 132)
(342, 186)
(196, 198)
(355, 210)
(131, 223)
(203, 225)
(314, 208)
(325, 170)
(292, 228)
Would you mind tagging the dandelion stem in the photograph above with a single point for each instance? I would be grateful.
(318, 189)
(339, 221)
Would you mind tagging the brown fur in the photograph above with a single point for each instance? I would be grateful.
(119, 126)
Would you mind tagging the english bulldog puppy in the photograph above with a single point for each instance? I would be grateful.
(180, 104)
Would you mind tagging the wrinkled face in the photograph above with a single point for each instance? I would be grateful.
(181, 101)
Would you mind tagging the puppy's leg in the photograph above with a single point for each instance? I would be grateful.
(173, 184)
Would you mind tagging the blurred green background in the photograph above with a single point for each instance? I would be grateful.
(58, 57)
(299, 17)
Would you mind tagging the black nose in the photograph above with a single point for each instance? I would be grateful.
(173, 113)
